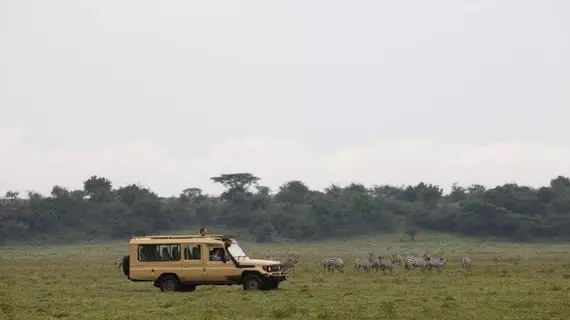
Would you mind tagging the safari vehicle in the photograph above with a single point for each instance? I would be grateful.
(183, 262)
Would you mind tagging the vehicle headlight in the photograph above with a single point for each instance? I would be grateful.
(272, 268)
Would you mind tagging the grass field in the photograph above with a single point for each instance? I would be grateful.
(530, 281)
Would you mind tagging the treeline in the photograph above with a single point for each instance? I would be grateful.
(100, 211)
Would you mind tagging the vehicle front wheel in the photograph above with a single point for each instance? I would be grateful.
(252, 282)
(169, 284)
(272, 284)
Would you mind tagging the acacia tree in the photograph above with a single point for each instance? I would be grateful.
(236, 182)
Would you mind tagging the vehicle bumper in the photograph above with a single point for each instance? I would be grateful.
(278, 278)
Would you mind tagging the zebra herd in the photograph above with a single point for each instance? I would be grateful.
(370, 262)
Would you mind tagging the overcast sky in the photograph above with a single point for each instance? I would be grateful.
(170, 93)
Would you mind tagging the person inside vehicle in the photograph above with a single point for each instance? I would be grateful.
(215, 255)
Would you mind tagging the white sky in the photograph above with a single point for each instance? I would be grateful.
(170, 93)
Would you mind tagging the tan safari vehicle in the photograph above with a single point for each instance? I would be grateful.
(183, 262)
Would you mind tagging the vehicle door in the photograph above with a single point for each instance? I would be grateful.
(193, 264)
(219, 271)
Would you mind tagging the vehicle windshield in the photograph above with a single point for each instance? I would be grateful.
(236, 251)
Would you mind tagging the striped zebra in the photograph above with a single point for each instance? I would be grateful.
(439, 264)
(268, 257)
(122, 262)
(466, 263)
(119, 262)
(290, 263)
(397, 258)
(331, 264)
(374, 263)
(384, 264)
(365, 263)
(413, 262)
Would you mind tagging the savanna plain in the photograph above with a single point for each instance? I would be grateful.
(506, 281)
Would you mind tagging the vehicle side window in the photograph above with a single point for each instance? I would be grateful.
(158, 252)
(217, 254)
(192, 252)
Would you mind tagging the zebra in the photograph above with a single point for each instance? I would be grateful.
(268, 257)
(122, 262)
(439, 264)
(331, 264)
(417, 262)
(384, 264)
(291, 262)
(365, 263)
(397, 258)
(119, 263)
(467, 262)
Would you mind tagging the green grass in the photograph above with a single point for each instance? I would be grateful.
(531, 281)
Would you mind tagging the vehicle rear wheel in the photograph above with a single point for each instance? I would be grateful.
(126, 266)
(169, 284)
(252, 282)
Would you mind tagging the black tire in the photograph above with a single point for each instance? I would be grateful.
(126, 266)
(272, 284)
(169, 284)
(253, 282)
(188, 288)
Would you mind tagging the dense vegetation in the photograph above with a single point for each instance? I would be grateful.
(100, 211)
